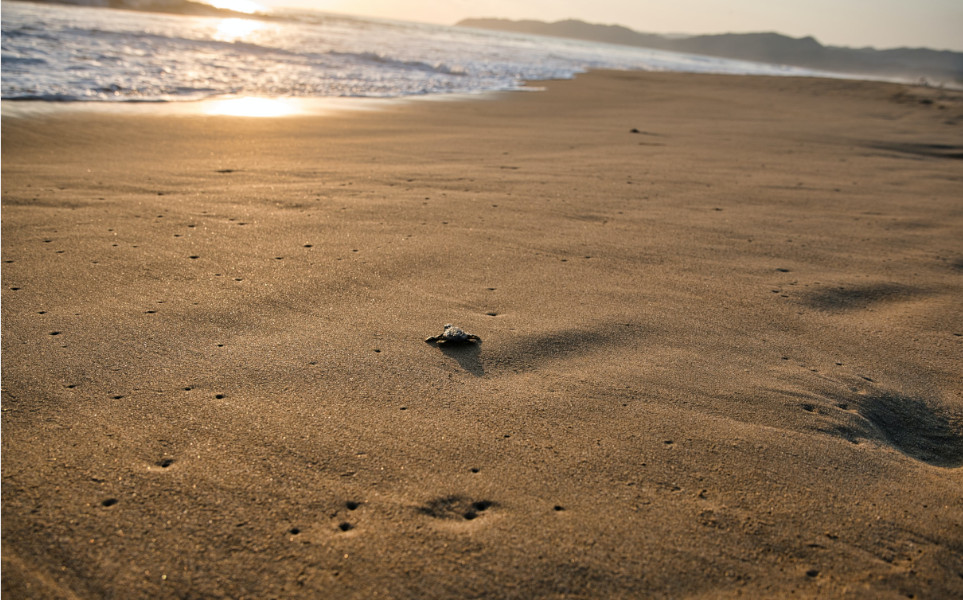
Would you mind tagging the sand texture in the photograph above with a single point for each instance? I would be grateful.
(722, 338)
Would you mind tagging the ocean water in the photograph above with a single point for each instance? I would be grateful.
(71, 53)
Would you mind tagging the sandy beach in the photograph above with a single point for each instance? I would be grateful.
(721, 324)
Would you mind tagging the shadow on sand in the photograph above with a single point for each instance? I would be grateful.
(468, 356)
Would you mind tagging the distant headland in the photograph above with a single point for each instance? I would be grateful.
(936, 66)
(177, 7)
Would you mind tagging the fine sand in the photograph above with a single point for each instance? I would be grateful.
(721, 353)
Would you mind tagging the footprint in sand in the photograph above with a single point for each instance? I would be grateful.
(915, 428)
(455, 508)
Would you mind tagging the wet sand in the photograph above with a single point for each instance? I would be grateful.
(721, 347)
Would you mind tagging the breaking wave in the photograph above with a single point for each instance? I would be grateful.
(76, 53)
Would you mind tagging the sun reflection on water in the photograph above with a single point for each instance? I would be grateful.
(252, 107)
(232, 30)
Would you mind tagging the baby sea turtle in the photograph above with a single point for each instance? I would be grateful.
(453, 335)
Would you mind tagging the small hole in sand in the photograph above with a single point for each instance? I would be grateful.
(219, 396)
(471, 515)
(481, 505)
(117, 397)
(351, 505)
(345, 526)
(193, 257)
(54, 333)
(109, 502)
(558, 508)
(475, 470)
(294, 531)
(165, 463)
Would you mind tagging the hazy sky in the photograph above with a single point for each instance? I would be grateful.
(880, 23)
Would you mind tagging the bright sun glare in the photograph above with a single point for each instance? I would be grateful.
(241, 6)
(252, 107)
(232, 30)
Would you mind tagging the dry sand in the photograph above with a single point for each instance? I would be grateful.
(721, 355)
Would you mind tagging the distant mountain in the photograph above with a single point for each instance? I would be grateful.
(940, 66)
(179, 7)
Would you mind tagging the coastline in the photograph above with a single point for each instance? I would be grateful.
(720, 336)
(221, 106)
